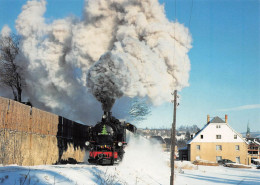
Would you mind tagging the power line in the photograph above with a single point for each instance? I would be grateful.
(189, 19)
(175, 20)
(175, 9)
(172, 153)
(175, 97)
(190, 12)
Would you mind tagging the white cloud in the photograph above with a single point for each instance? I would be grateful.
(243, 107)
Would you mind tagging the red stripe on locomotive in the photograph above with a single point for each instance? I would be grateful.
(94, 154)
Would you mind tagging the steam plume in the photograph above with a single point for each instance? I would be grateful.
(5, 32)
(119, 48)
(142, 60)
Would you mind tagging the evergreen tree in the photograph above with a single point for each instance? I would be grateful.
(104, 130)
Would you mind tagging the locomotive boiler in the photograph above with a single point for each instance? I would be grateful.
(107, 140)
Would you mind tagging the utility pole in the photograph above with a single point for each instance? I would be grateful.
(173, 137)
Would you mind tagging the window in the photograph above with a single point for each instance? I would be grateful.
(201, 136)
(238, 160)
(218, 147)
(237, 147)
(198, 147)
(235, 136)
(217, 126)
(218, 136)
(218, 158)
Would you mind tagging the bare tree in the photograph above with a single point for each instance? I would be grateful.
(187, 136)
(139, 109)
(9, 70)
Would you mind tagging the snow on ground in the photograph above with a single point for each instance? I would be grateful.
(211, 175)
(93, 175)
(144, 164)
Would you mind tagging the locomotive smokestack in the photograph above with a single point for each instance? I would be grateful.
(107, 115)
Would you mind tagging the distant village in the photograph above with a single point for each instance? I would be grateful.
(217, 141)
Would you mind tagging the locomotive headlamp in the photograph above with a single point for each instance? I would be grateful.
(87, 143)
(120, 144)
(104, 116)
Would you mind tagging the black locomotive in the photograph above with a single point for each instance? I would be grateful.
(107, 140)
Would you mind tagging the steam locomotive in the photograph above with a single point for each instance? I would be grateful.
(107, 140)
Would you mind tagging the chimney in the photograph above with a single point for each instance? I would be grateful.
(226, 118)
(208, 119)
(106, 116)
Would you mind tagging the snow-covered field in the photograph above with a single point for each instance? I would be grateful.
(212, 175)
(92, 175)
(144, 164)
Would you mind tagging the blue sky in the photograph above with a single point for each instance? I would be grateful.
(225, 62)
(225, 59)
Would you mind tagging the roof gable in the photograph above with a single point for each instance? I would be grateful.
(210, 130)
(217, 120)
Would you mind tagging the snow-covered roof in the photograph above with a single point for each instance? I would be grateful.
(253, 140)
(158, 138)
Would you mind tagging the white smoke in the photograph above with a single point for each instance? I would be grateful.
(145, 158)
(148, 56)
(53, 81)
(123, 47)
(6, 31)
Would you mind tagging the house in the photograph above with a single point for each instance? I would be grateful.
(216, 141)
(160, 140)
(254, 149)
(168, 147)
(154, 132)
(168, 142)
(183, 153)
(180, 135)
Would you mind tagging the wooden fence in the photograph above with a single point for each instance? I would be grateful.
(19, 117)
(30, 136)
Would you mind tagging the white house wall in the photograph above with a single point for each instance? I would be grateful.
(210, 131)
